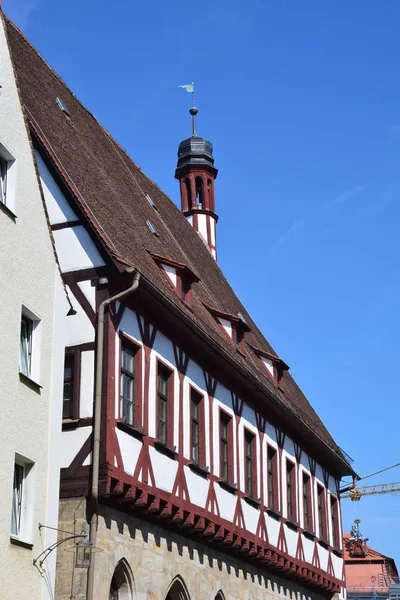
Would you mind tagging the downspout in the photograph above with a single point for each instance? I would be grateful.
(97, 421)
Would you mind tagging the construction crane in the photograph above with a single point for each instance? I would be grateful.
(355, 493)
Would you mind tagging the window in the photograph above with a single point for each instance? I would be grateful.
(17, 499)
(321, 512)
(334, 522)
(22, 499)
(307, 517)
(272, 487)
(29, 348)
(69, 387)
(3, 180)
(165, 399)
(197, 427)
(225, 447)
(186, 290)
(290, 491)
(127, 384)
(249, 470)
(25, 357)
(7, 180)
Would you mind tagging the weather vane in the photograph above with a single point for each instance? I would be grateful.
(189, 87)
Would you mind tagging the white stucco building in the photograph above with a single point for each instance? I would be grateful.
(32, 298)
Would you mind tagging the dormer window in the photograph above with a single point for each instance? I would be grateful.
(179, 276)
(274, 366)
(234, 327)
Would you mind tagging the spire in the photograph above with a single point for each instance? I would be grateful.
(196, 174)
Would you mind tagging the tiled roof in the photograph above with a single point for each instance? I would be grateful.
(372, 571)
(111, 190)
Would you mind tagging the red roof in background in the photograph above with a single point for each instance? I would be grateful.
(373, 571)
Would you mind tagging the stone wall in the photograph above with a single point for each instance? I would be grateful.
(149, 559)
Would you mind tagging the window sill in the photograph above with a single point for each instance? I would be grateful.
(8, 212)
(137, 432)
(70, 424)
(324, 544)
(252, 501)
(204, 471)
(229, 487)
(274, 514)
(36, 387)
(168, 450)
(17, 542)
(309, 535)
(292, 525)
(338, 553)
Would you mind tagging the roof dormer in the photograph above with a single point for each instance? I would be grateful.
(179, 276)
(274, 366)
(234, 326)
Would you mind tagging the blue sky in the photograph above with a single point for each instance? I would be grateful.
(302, 103)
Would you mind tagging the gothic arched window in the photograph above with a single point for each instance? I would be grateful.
(121, 587)
(177, 590)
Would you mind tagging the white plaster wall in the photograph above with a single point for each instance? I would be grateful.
(58, 209)
(197, 487)
(171, 273)
(202, 225)
(87, 384)
(79, 328)
(28, 275)
(71, 443)
(76, 250)
(291, 540)
(269, 365)
(164, 469)
(227, 325)
(130, 449)
(89, 291)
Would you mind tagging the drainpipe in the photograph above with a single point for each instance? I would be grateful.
(97, 420)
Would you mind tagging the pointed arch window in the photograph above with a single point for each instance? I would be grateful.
(121, 587)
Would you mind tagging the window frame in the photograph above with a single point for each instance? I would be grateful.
(228, 443)
(321, 512)
(250, 478)
(126, 341)
(291, 489)
(35, 345)
(335, 532)
(169, 398)
(7, 181)
(307, 504)
(201, 458)
(27, 504)
(272, 478)
(75, 354)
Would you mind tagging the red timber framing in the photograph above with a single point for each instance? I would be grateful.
(139, 494)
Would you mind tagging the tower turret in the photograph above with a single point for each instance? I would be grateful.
(196, 173)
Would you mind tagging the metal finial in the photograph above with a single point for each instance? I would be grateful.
(193, 111)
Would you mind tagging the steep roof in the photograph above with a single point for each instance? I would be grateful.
(111, 190)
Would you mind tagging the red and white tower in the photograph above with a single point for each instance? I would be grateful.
(196, 174)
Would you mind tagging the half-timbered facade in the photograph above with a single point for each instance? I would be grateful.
(187, 447)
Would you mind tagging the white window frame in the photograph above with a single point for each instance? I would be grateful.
(27, 505)
(34, 345)
(7, 179)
